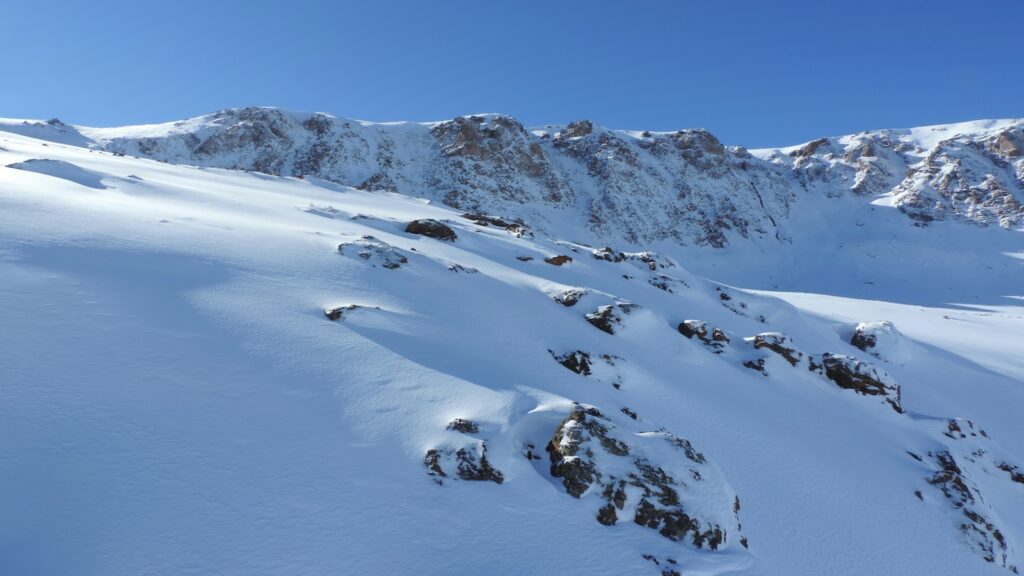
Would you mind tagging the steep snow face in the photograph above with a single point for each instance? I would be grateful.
(208, 370)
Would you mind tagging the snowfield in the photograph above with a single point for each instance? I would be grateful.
(206, 370)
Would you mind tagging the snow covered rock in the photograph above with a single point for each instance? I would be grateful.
(778, 343)
(850, 373)
(969, 460)
(656, 479)
(375, 252)
(716, 338)
(464, 463)
(883, 341)
(570, 297)
(516, 226)
(337, 312)
(607, 317)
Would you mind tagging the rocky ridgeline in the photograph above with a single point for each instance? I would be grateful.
(636, 187)
(977, 178)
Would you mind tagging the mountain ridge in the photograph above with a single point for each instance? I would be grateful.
(635, 187)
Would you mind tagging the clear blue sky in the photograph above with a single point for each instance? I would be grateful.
(755, 72)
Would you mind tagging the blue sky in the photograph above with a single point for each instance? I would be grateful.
(754, 72)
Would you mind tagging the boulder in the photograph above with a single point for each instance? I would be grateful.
(432, 229)
(374, 252)
(558, 260)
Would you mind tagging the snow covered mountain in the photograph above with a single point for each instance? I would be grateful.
(277, 343)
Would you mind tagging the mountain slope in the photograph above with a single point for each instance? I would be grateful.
(212, 370)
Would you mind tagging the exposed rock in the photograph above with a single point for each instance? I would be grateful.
(650, 260)
(530, 451)
(863, 340)
(577, 129)
(691, 328)
(981, 533)
(336, 312)
(578, 361)
(850, 373)
(558, 260)
(810, 148)
(1014, 471)
(715, 338)
(515, 226)
(606, 318)
(463, 425)
(432, 229)
(778, 342)
(608, 254)
(962, 429)
(570, 297)
(666, 283)
(465, 463)
(1007, 145)
(757, 364)
(880, 339)
(632, 476)
(374, 252)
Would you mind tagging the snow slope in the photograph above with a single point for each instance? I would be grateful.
(176, 401)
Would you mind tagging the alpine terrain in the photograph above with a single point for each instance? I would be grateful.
(270, 342)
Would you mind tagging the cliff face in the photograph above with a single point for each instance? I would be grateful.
(608, 185)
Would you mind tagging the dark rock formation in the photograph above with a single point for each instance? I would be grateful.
(432, 229)
(570, 297)
(981, 533)
(336, 312)
(578, 361)
(465, 463)
(588, 452)
(852, 374)
(607, 317)
(516, 226)
(715, 338)
(558, 260)
(463, 425)
(778, 342)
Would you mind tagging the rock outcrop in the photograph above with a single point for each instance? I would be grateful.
(654, 479)
(432, 228)
(374, 252)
